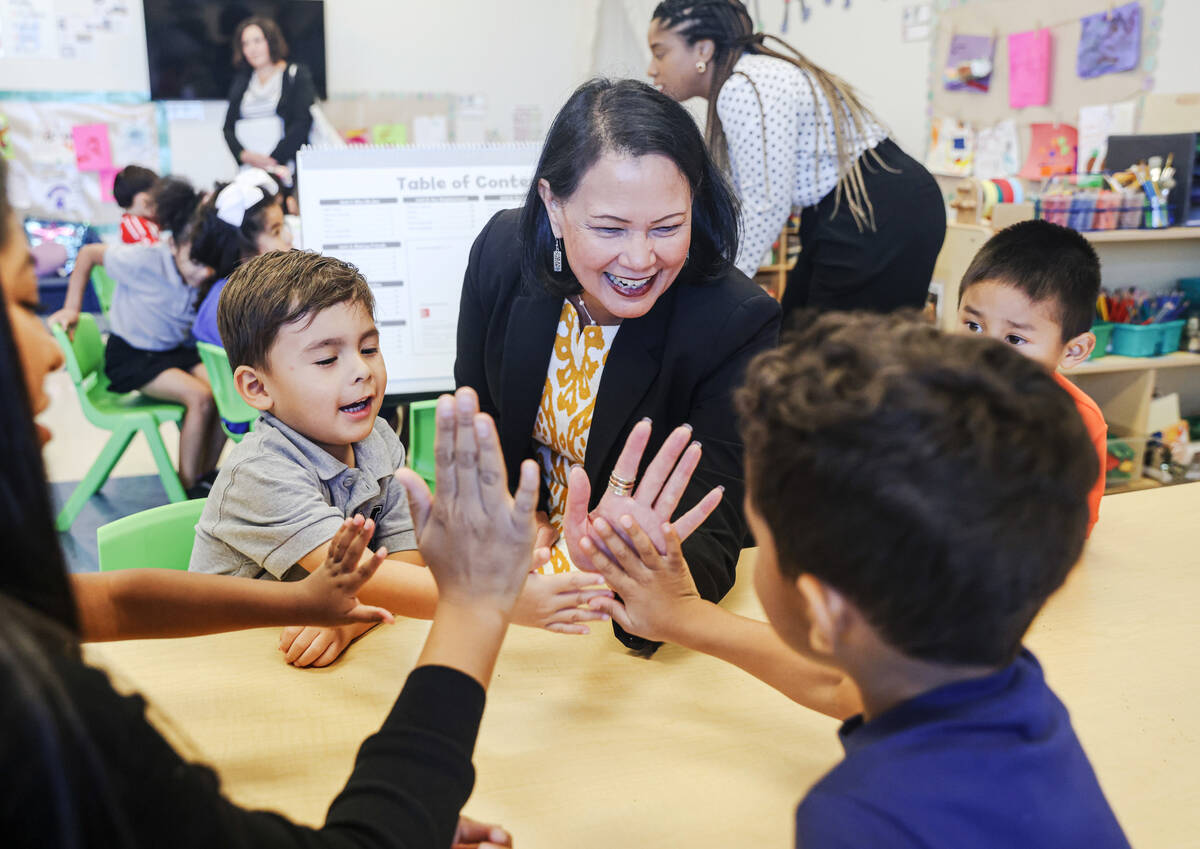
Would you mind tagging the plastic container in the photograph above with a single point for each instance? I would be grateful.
(1132, 202)
(1146, 340)
(1102, 330)
(1057, 209)
(1082, 211)
(1190, 286)
(1125, 462)
(1108, 211)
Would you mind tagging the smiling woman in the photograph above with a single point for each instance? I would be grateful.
(611, 297)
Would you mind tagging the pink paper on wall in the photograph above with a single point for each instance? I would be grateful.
(1052, 151)
(1029, 68)
(107, 177)
(92, 152)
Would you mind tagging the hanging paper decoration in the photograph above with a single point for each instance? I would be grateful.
(1052, 151)
(997, 151)
(951, 147)
(1096, 124)
(6, 147)
(969, 65)
(1029, 68)
(1110, 41)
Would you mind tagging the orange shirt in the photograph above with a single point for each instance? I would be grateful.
(1097, 430)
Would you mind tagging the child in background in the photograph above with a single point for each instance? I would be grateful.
(133, 190)
(1034, 286)
(941, 483)
(300, 334)
(150, 347)
(237, 221)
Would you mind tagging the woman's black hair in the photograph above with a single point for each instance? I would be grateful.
(175, 202)
(220, 245)
(628, 118)
(33, 570)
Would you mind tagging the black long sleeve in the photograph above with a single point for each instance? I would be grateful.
(236, 90)
(95, 766)
(295, 104)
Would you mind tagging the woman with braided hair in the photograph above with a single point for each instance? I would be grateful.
(793, 136)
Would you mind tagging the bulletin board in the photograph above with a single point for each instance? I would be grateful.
(1068, 91)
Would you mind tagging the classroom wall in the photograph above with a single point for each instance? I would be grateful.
(532, 53)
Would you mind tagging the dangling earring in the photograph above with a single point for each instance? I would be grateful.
(557, 256)
(701, 67)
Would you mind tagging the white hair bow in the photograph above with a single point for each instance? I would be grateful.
(247, 189)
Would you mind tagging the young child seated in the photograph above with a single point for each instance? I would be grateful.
(916, 497)
(1034, 286)
(150, 347)
(237, 221)
(300, 335)
(133, 190)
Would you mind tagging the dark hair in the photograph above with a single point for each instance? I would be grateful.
(276, 43)
(628, 118)
(175, 202)
(278, 288)
(33, 570)
(132, 180)
(220, 245)
(728, 25)
(942, 480)
(1048, 263)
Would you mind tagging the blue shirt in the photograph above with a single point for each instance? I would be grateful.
(990, 762)
(205, 326)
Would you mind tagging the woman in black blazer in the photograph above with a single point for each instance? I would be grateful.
(265, 86)
(630, 226)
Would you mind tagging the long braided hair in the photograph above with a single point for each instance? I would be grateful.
(729, 26)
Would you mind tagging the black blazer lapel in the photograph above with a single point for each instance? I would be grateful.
(629, 372)
(528, 346)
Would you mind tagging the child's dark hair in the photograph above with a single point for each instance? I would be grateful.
(132, 180)
(1047, 262)
(939, 482)
(175, 201)
(220, 245)
(278, 288)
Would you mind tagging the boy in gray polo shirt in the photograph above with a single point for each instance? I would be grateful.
(299, 331)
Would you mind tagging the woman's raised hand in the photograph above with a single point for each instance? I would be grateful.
(651, 503)
(475, 537)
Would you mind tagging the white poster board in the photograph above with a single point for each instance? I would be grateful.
(407, 217)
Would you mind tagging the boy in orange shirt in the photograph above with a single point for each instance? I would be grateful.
(1034, 285)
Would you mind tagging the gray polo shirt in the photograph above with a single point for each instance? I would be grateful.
(152, 308)
(279, 496)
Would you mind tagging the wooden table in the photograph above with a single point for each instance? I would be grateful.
(584, 745)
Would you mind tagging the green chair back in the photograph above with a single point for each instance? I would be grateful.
(422, 426)
(230, 406)
(159, 538)
(85, 353)
(124, 415)
(103, 284)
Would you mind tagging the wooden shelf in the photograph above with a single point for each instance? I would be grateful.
(1115, 363)
(1164, 234)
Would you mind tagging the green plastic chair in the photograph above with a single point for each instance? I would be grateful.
(122, 414)
(104, 285)
(230, 406)
(160, 538)
(422, 425)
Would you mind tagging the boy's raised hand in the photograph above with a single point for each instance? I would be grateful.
(475, 537)
(653, 501)
(656, 589)
(330, 591)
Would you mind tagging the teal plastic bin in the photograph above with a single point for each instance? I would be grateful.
(1147, 340)
(1102, 330)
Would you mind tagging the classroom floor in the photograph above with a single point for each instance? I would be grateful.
(133, 486)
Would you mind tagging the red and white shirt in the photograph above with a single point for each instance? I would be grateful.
(138, 230)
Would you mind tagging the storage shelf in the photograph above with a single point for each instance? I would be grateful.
(1115, 363)
(1164, 234)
